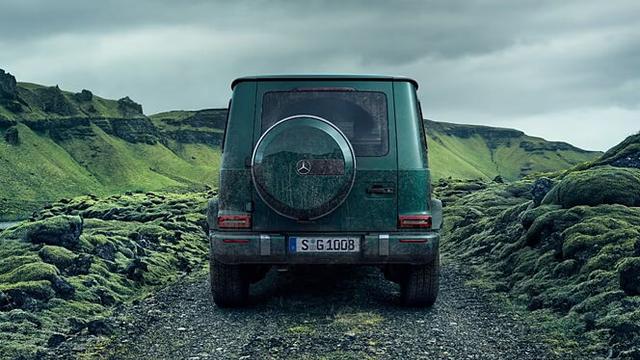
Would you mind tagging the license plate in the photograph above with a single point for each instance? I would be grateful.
(304, 244)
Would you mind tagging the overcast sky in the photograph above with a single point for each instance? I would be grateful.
(562, 70)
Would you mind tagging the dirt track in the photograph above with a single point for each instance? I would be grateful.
(320, 314)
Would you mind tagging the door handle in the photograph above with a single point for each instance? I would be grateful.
(380, 189)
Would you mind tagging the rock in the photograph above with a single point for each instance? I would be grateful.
(55, 340)
(8, 86)
(100, 327)
(629, 276)
(596, 186)
(136, 269)
(76, 325)
(63, 288)
(129, 107)
(105, 296)
(57, 230)
(540, 189)
(81, 265)
(12, 136)
(631, 161)
(498, 179)
(54, 101)
(106, 251)
(57, 255)
(84, 95)
(4, 301)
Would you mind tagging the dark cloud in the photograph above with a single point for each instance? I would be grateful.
(504, 63)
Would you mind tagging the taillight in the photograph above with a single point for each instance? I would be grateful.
(234, 221)
(235, 241)
(413, 241)
(414, 221)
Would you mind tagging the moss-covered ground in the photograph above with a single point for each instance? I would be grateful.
(63, 272)
(572, 259)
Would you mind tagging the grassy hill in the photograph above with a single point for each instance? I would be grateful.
(471, 151)
(56, 144)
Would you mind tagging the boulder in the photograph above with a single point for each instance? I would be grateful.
(629, 276)
(596, 186)
(57, 230)
(63, 288)
(540, 189)
(55, 340)
(106, 298)
(100, 327)
(76, 325)
(106, 251)
(136, 269)
(81, 265)
(57, 255)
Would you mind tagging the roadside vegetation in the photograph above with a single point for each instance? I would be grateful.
(565, 246)
(63, 272)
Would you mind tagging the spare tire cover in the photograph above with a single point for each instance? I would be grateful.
(303, 167)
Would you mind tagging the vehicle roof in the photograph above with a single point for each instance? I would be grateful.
(337, 77)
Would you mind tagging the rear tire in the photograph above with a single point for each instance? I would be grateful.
(229, 286)
(421, 284)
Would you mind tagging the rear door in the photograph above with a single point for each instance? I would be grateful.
(364, 111)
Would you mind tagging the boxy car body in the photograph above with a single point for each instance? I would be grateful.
(324, 170)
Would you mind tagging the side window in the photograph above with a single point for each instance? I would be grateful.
(423, 136)
(224, 131)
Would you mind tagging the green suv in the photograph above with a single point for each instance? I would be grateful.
(324, 170)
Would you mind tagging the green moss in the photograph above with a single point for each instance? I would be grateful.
(30, 272)
(301, 330)
(60, 230)
(9, 263)
(575, 266)
(603, 185)
(357, 322)
(39, 289)
(58, 256)
(115, 231)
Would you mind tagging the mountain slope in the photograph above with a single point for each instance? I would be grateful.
(471, 151)
(56, 144)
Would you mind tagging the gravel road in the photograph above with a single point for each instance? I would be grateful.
(329, 313)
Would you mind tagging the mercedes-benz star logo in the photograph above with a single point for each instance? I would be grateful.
(303, 167)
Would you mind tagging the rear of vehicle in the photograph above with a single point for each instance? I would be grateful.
(324, 170)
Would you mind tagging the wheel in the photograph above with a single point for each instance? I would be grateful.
(420, 284)
(229, 285)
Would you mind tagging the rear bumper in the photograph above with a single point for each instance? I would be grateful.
(375, 249)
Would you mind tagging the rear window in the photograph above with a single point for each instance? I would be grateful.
(360, 115)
